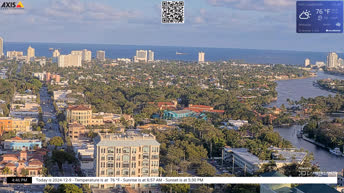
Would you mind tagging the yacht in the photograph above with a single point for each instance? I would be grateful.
(336, 151)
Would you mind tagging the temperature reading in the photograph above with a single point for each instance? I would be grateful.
(321, 11)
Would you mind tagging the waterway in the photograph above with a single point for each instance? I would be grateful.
(294, 90)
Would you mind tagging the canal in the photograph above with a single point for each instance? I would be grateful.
(294, 90)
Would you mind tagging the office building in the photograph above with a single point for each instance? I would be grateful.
(85, 54)
(30, 54)
(56, 54)
(101, 55)
(131, 154)
(81, 114)
(332, 60)
(65, 61)
(201, 57)
(141, 56)
(1, 47)
(307, 62)
(150, 56)
(14, 54)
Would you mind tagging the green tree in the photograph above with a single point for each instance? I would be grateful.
(6, 171)
(56, 141)
(68, 188)
(206, 170)
(24, 172)
(180, 188)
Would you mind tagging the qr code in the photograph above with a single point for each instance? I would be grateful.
(172, 12)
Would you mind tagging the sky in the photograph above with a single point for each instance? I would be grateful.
(252, 24)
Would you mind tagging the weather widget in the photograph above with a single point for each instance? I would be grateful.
(319, 16)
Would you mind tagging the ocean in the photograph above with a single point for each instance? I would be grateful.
(251, 56)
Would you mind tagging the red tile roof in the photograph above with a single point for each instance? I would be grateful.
(79, 108)
(16, 138)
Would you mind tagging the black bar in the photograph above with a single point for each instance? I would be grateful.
(19, 180)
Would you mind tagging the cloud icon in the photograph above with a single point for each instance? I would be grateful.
(305, 15)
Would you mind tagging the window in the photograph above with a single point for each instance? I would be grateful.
(125, 172)
(133, 150)
(145, 156)
(145, 149)
(125, 158)
(145, 171)
(118, 158)
(110, 158)
(133, 172)
(125, 165)
(119, 150)
(118, 172)
(102, 165)
(126, 150)
(110, 172)
(155, 171)
(133, 165)
(103, 158)
(110, 165)
(102, 172)
(118, 165)
(145, 163)
(133, 158)
(155, 149)
(110, 150)
(155, 156)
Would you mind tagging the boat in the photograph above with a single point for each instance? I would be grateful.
(180, 53)
(336, 151)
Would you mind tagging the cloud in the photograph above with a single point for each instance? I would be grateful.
(77, 11)
(257, 5)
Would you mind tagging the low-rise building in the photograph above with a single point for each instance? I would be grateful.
(178, 114)
(16, 162)
(14, 124)
(203, 108)
(18, 143)
(77, 131)
(25, 98)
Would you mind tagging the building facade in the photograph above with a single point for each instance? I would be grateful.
(132, 154)
(332, 60)
(201, 57)
(141, 56)
(81, 114)
(307, 62)
(56, 54)
(14, 54)
(30, 54)
(18, 143)
(150, 56)
(101, 55)
(65, 61)
(85, 54)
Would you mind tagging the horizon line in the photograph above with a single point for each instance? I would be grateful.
(202, 47)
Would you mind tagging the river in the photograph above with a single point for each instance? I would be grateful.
(294, 90)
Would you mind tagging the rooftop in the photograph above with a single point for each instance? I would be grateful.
(130, 138)
(79, 108)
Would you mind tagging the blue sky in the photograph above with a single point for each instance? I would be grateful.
(256, 24)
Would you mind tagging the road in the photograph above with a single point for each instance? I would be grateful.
(51, 129)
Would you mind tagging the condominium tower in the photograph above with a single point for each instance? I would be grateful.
(201, 57)
(85, 54)
(65, 61)
(30, 54)
(131, 154)
(101, 55)
(332, 60)
(150, 56)
(141, 56)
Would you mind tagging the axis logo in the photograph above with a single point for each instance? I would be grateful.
(12, 5)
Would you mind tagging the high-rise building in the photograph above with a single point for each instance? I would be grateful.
(150, 56)
(141, 56)
(201, 57)
(1, 47)
(131, 154)
(85, 54)
(332, 60)
(30, 54)
(340, 62)
(101, 55)
(70, 60)
(307, 62)
(56, 54)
